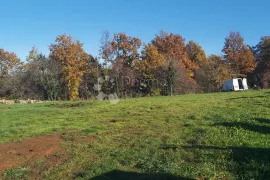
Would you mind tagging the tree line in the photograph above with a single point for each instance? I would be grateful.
(128, 67)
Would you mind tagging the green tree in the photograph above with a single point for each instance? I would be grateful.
(92, 71)
(262, 49)
(43, 76)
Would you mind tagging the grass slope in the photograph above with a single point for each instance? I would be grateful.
(210, 136)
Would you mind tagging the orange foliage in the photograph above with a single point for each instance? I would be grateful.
(125, 48)
(240, 57)
(151, 60)
(73, 58)
(172, 46)
(8, 62)
(195, 52)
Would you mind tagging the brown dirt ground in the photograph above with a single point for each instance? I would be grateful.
(12, 155)
(71, 106)
(110, 122)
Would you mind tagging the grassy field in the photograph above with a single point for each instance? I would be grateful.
(206, 136)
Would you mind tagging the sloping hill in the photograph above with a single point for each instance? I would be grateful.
(218, 136)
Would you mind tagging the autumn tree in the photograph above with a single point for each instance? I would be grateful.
(125, 48)
(121, 47)
(222, 71)
(72, 58)
(151, 61)
(8, 62)
(120, 54)
(238, 55)
(211, 76)
(150, 65)
(262, 71)
(173, 47)
(177, 62)
(195, 52)
(124, 78)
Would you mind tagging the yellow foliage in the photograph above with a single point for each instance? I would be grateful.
(151, 60)
(73, 58)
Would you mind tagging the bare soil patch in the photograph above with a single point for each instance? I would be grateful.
(4, 108)
(13, 155)
(71, 106)
(112, 121)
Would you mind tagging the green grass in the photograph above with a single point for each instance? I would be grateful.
(211, 136)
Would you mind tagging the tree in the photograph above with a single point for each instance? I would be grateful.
(105, 51)
(43, 77)
(262, 71)
(178, 65)
(262, 49)
(12, 85)
(238, 55)
(8, 62)
(247, 61)
(125, 48)
(120, 55)
(195, 52)
(124, 77)
(172, 46)
(92, 71)
(211, 76)
(151, 61)
(33, 70)
(50, 79)
(72, 58)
